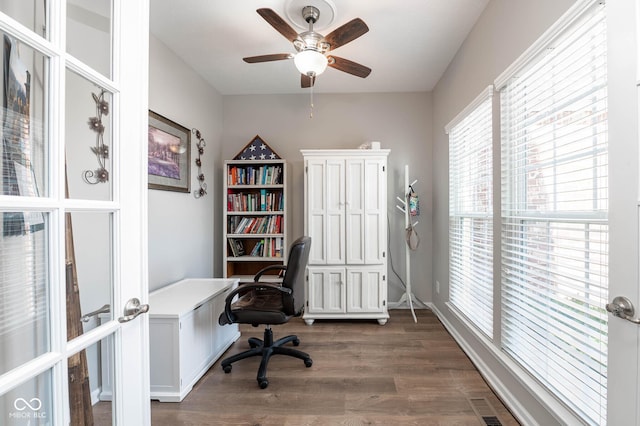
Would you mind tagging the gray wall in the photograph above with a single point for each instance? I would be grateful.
(400, 121)
(504, 31)
(182, 230)
(184, 233)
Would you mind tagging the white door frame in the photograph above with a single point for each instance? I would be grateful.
(624, 198)
(131, 38)
(129, 115)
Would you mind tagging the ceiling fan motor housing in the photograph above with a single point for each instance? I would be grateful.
(310, 14)
(311, 40)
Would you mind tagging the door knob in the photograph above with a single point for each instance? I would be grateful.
(622, 307)
(132, 309)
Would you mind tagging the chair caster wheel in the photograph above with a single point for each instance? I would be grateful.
(296, 342)
(226, 368)
(263, 383)
(308, 362)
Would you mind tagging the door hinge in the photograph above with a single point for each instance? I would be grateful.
(384, 277)
(383, 168)
(384, 254)
(384, 303)
(306, 169)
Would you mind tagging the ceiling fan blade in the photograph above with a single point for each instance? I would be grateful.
(268, 58)
(346, 33)
(278, 23)
(348, 66)
(306, 81)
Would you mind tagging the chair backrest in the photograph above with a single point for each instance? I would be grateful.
(294, 275)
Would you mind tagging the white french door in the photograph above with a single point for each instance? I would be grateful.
(73, 197)
(624, 213)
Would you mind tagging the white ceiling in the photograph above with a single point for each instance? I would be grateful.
(408, 46)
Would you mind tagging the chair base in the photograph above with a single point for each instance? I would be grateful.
(266, 348)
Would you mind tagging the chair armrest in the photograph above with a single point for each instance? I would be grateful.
(250, 286)
(261, 272)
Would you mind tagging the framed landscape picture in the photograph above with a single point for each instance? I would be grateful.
(169, 156)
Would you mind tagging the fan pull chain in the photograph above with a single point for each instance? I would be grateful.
(311, 98)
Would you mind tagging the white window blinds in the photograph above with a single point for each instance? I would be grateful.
(471, 213)
(24, 307)
(554, 215)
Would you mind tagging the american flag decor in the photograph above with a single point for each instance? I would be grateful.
(258, 150)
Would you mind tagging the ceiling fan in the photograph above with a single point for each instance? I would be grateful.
(312, 47)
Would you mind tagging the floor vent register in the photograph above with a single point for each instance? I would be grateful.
(485, 411)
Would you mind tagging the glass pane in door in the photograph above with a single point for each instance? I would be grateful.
(24, 154)
(30, 13)
(89, 33)
(30, 403)
(24, 283)
(88, 139)
(90, 384)
(88, 259)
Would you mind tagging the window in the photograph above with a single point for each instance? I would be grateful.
(471, 213)
(554, 215)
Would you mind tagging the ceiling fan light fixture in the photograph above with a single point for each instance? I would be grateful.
(311, 62)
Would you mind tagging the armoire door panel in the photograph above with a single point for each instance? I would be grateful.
(373, 171)
(335, 238)
(355, 196)
(374, 239)
(356, 239)
(373, 287)
(326, 290)
(315, 296)
(364, 290)
(355, 291)
(334, 178)
(316, 230)
(334, 291)
(354, 182)
(316, 196)
(375, 212)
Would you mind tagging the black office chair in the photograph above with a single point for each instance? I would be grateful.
(270, 303)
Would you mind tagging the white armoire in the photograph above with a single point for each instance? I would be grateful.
(345, 214)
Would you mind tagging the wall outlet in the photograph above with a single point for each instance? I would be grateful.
(437, 287)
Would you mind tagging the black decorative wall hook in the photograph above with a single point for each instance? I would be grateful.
(101, 151)
(202, 191)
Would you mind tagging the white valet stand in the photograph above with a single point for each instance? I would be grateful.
(408, 296)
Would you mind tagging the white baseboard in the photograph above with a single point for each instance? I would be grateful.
(403, 305)
(95, 396)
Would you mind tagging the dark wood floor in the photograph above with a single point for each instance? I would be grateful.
(401, 373)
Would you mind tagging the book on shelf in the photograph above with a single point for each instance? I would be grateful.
(237, 247)
(257, 249)
(263, 200)
(271, 224)
(256, 201)
(250, 175)
(265, 247)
